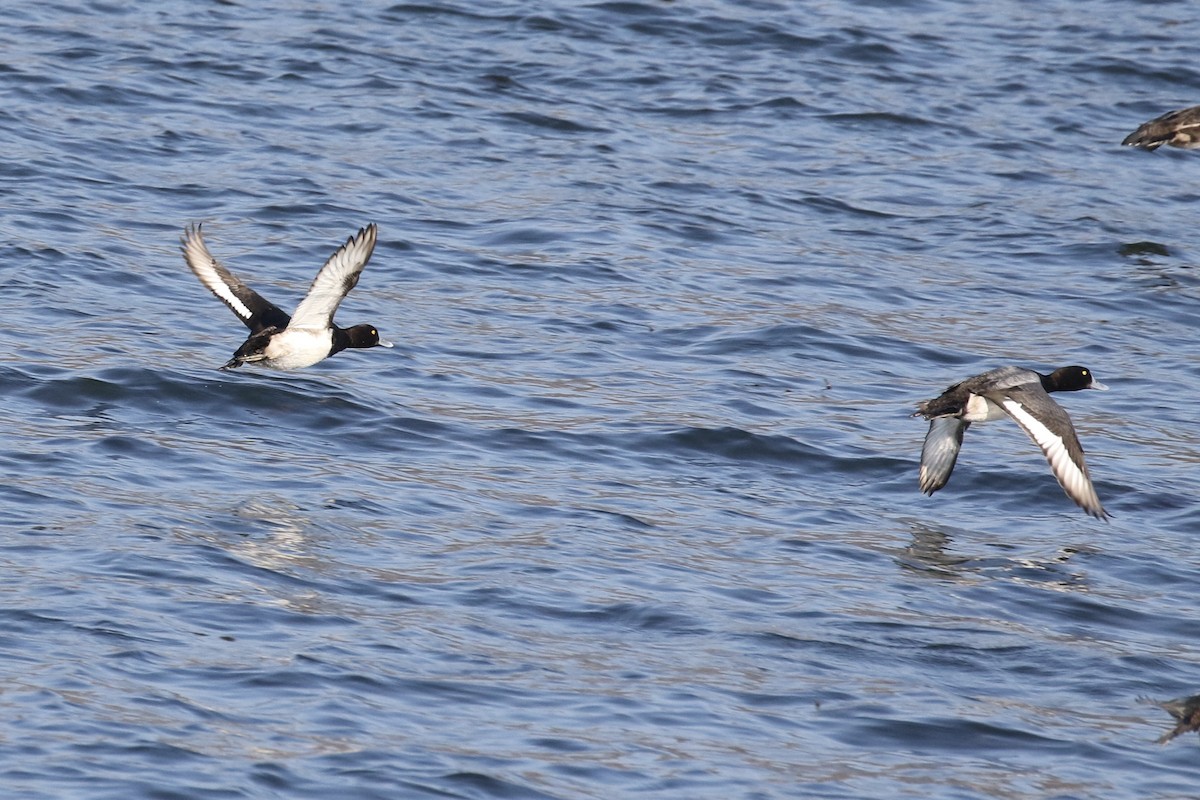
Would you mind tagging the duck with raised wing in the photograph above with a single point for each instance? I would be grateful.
(276, 340)
(1023, 395)
(1177, 128)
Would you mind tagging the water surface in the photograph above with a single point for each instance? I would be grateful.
(631, 509)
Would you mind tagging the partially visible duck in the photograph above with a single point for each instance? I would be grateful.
(309, 335)
(1185, 710)
(1177, 128)
(1023, 395)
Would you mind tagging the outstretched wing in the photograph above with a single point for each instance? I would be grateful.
(1064, 452)
(249, 305)
(335, 280)
(940, 451)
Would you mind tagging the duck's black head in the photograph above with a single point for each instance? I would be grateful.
(363, 336)
(1071, 379)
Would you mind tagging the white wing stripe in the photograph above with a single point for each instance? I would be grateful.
(1073, 477)
(201, 261)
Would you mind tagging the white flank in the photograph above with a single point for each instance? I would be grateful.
(297, 348)
(981, 409)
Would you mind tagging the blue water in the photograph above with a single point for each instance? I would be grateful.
(631, 510)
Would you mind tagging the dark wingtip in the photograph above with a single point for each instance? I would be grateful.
(1099, 512)
(370, 230)
(188, 230)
